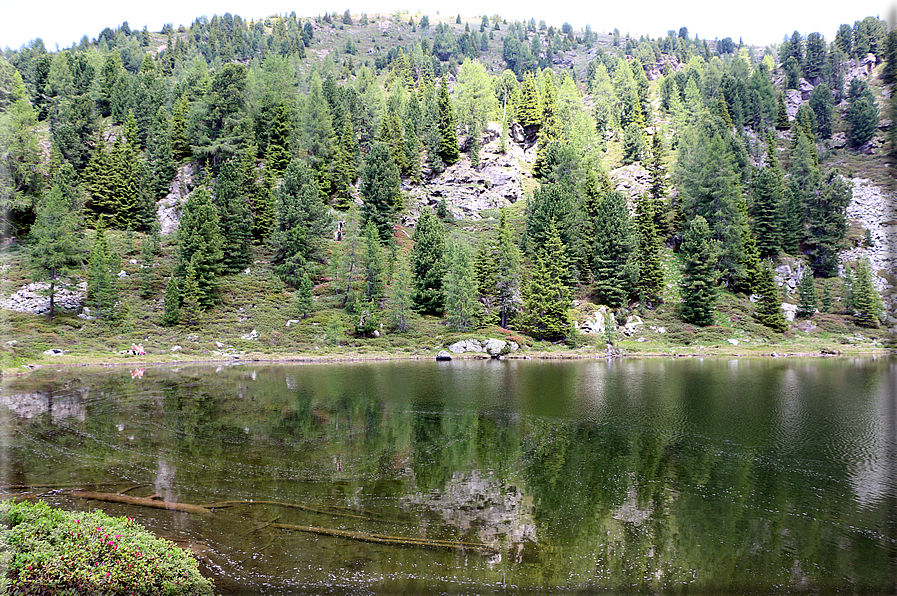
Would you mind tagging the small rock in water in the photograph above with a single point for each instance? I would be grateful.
(443, 355)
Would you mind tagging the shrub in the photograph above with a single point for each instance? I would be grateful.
(59, 552)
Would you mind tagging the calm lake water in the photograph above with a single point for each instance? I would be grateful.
(684, 476)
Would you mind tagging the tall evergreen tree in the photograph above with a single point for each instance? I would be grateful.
(827, 224)
(428, 264)
(199, 246)
(302, 223)
(373, 265)
(650, 282)
(615, 270)
(234, 217)
(546, 298)
(866, 301)
(102, 283)
(191, 302)
(55, 237)
(507, 272)
(448, 146)
(862, 113)
(380, 190)
(172, 313)
(698, 284)
(806, 307)
(460, 288)
(769, 309)
(399, 294)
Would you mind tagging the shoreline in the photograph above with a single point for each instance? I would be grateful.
(87, 360)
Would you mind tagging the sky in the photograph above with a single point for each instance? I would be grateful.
(758, 22)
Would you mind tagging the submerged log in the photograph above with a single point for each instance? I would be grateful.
(393, 540)
(224, 504)
(140, 501)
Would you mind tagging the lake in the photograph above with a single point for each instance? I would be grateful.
(658, 475)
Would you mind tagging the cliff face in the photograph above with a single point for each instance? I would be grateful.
(876, 210)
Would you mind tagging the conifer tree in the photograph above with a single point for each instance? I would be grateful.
(781, 113)
(866, 301)
(806, 307)
(234, 217)
(147, 272)
(448, 145)
(102, 284)
(827, 224)
(827, 302)
(822, 103)
(199, 245)
(428, 264)
(318, 137)
(380, 190)
(191, 303)
(529, 109)
(264, 208)
(507, 272)
(768, 191)
(546, 299)
(277, 153)
(769, 308)
(615, 269)
(373, 264)
(862, 113)
(302, 223)
(698, 284)
(650, 284)
(55, 237)
(172, 314)
(399, 294)
(460, 289)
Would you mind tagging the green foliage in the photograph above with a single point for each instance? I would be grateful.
(822, 103)
(234, 220)
(428, 264)
(380, 190)
(827, 217)
(102, 282)
(865, 299)
(650, 284)
(546, 298)
(373, 265)
(448, 145)
(55, 238)
(461, 305)
(304, 301)
(862, 113)
(635, 148)
(615, 270)
(302, 223)
(58, 552)
(172, 313)
(808, 301)
(698, 284)
(399, 294)
(769, 308)
(199, 246)
(191, 301)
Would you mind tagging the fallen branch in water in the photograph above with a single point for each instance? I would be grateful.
(140, 501)
(223, 504)
(393, 540)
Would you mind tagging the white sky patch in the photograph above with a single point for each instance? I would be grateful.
(760, 22)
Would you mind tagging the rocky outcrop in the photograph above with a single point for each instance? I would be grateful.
(493, 347)
(33, 298)
(876, 211)
(632, 180)
(168, 210)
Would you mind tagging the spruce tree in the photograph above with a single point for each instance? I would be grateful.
(806, 307)
(380, 190)
(614, 267)
(304, 300)
(55, 238)
(769, 309)
(827, 225)
(650, 284)
(234, 220)
(191, 302)
(698, 284)
(448, 145)
(866, 301)
(399, 294)
(172, 314)
(428, 264)
(507, 272)
(102, 283)
(373, 265)
(767, 221)
(461, 306)
(781, 113)
(862, 113)
(546, 299)
(302, 223)
(199, 245)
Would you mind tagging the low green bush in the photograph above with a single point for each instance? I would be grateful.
(50, 551)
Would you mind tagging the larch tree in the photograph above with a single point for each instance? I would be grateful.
(461, 306)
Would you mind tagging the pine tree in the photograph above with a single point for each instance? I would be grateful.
(172, 314)
(862, 113)
(448, 146)
(461, 304)
(827, 224)
(769, 309)
(529, 109)
(866, 301)
(277, 153)
(55, 237)
(234, 217)
(380, 190)
(507, 272)
(546, 298)
(806, 307)
(781, 113)
(650, 284)
(199, 245)
(698, 284)
(428, 264)
(827, 302)
(768, 194)
(345, 164)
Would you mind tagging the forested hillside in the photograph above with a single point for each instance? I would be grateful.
(393, 182)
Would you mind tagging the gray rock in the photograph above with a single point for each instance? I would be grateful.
(633, 322)
(251, 335)
(54, 352)
(292, 322)
(466, 345)
(176, 348)
(495, 347)
(443, 355)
